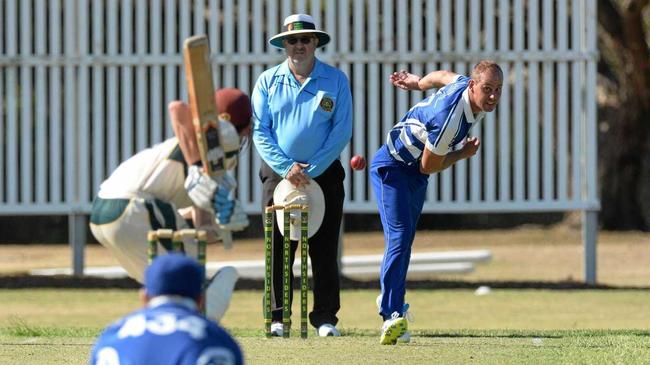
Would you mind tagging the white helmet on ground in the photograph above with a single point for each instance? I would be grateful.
(311, 194)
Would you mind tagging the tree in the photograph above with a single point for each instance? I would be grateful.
(624, 113)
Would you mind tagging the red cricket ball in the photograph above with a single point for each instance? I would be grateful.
(357, 162)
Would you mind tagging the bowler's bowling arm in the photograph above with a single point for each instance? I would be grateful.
(432, 163)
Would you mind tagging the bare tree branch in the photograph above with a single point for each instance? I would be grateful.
(610, 18)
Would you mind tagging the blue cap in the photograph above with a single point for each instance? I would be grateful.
(174, 274)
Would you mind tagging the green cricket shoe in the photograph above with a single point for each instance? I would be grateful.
(393, 329)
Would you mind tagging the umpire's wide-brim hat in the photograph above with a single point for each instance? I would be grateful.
(312, 194)
(299, 24)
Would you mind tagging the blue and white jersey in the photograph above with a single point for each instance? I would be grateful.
(441, 122)
(168, 331)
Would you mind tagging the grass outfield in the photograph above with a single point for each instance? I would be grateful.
(57, 326)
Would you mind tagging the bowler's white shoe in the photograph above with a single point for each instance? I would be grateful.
(277, 329)
(327, 329)
(219, 292)
(406, 337)
(393, 329)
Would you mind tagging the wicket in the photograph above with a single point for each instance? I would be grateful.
(177, 237)
(286, 267)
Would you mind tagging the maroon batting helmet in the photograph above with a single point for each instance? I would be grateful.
(235, 106)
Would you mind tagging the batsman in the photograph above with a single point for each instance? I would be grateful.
(185, 181)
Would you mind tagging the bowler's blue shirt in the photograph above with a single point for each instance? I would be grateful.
(168, 331)
(309, 123)
(440, 122)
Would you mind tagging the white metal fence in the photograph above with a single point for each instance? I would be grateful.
(85, 84)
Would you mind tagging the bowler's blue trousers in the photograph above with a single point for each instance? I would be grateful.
(400, 190)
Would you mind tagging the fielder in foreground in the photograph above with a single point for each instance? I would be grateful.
(163, 186)
(170, 328)
(432, 136)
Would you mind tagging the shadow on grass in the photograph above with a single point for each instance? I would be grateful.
(532, 334)
(64, 281)
(474, 334)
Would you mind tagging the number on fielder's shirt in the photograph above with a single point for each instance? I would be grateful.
(209, 356)
(162, 324)
(170, 333)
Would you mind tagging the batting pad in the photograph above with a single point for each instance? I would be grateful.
(219, 292)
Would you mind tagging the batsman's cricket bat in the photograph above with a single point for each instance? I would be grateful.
(198, 73)
(200, 86)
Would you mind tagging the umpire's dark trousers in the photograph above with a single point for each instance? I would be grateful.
(323, 246)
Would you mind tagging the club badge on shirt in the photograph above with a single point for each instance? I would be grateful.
(327, 104)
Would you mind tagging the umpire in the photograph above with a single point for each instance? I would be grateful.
(302, 112)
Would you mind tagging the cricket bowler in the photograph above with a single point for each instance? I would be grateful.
(432, 136)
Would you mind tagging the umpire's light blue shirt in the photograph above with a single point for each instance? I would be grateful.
(308, 123)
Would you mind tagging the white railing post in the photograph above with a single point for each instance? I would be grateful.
(589, 237)
(77, 225)
(590, 146)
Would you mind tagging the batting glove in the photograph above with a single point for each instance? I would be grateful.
(224, 199)
(238, 219)
(223, 206)
(200, 187)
